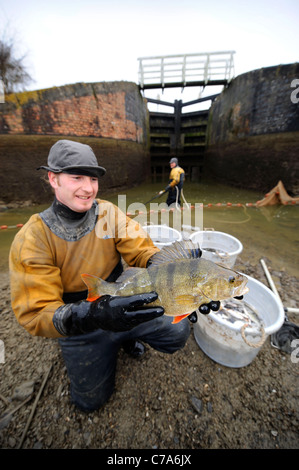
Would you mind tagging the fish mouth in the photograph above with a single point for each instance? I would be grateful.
(241, 290)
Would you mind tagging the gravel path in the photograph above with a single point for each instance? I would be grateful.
(183, 401)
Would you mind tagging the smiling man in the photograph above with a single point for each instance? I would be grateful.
(75, 191)
(48, 296)
(74, 174)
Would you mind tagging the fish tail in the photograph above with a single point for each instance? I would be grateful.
(97, 287)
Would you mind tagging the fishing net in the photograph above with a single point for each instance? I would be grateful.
(277, 195)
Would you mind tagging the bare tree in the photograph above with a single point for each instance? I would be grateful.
(13, 72)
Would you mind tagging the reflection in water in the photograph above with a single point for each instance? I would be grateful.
(266, 232)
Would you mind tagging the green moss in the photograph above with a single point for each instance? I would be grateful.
(19, 99)
(24, 97)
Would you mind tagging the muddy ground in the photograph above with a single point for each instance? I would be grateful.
(255, 407)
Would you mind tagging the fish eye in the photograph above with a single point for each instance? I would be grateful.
(231, 279)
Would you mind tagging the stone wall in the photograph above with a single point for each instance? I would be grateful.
(112, 110)
(253, 132)
(126, 163)
(111, 117)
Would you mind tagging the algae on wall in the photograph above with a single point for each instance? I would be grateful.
(127, 164)
(253, 131)
(112, 117)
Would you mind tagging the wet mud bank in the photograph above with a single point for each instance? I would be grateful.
(180, 401)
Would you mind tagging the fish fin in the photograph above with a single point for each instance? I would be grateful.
(179, 318)
(178, 250)
(128, 274)
(97, 287)
(186, 300)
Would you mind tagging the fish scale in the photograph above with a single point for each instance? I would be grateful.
(182, 279)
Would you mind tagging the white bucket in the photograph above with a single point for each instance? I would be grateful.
(225, 247)
(222, 340)
(162, 235)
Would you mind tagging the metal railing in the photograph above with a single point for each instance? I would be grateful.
(186, 69)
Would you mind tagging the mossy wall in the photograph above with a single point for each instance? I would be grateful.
(111, 117)
(126, 163)
(110, 109)
(253, 131)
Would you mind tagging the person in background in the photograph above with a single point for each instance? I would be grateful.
(175, 184)
(79, 234)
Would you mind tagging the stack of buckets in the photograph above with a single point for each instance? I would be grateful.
(220, 339)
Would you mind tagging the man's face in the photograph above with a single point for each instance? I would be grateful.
(74, 191)
(172, 165)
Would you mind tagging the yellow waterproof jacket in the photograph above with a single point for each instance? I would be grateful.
(44, 266)
(176, 177)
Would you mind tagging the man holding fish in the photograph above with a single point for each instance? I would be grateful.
(78, 242)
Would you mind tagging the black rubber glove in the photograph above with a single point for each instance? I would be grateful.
(205, 309)
(108, 313)
(192, 317)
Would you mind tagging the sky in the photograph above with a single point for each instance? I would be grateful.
(70, 41)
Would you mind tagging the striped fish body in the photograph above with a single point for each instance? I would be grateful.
(167, 280)
(182, 285)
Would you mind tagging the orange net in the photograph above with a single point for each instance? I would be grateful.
(277, 195)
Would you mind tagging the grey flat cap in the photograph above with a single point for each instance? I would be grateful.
(67, 156)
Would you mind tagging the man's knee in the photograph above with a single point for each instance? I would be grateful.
(179, 335)
(93, 400)
(168, 337)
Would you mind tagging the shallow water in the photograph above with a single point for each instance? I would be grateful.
(271, 232)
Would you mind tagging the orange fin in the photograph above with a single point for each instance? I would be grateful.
(90, 298)
(179, 318)
(97, 287)
(92, 283)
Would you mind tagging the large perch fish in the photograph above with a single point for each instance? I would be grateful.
(182, 279)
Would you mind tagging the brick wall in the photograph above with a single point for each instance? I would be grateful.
(253, 132)
(126, 162)
(110, 117)
(111, 110)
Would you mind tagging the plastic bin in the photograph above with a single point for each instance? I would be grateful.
(222, 341)
(162, 235)
(218, 247)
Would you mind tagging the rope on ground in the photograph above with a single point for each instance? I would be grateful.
(188, 206)
(183, 197)
(240, 221)
(250, 343)
(177, 199)
(4, 227)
